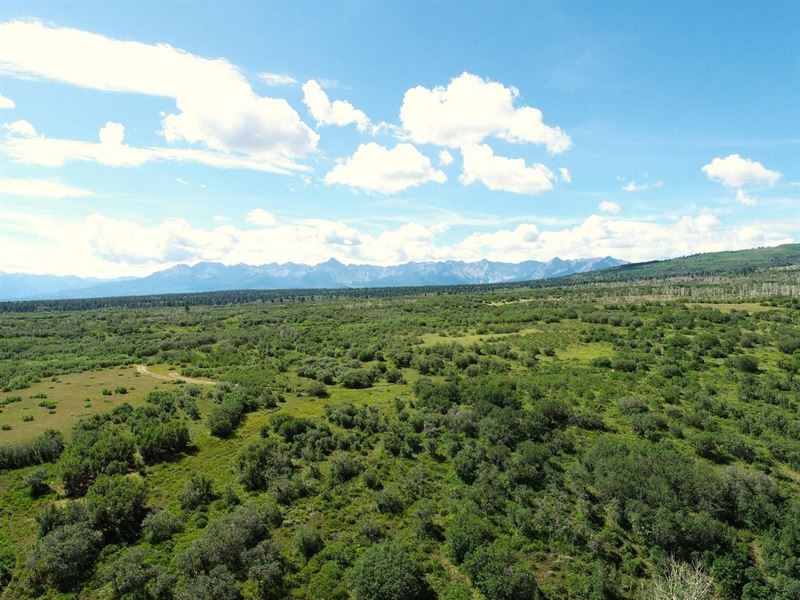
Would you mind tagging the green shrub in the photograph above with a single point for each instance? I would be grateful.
(116, 505)
(162, 440)
(218, 584)
(316, 389)
(267, 567)
(390, 501)
(344, 467)
(744, 363)
(308, 540)
(160, 525)
(262, 462)
(465, 532)
(497, 571)
(197, 492)
(134, 574)
(94, 452)
(355, 379)
(64, 557)
(37, 483)
(223, 419)
(46, 447)
(387, 571)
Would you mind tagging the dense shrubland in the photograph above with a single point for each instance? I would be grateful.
(541, 443)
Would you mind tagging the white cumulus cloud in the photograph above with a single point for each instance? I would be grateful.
(259, 216)
(375, 168)
(744, 198)
(501, 173)
(22, 128)
(735, 171)
(6, 102)
(626, 239)
(325, 112)
(22, 144)
(445, 158)
(112, 134)
(102, 246)
(215, 105)
(40, 188)
(470, 109)
(610, 207)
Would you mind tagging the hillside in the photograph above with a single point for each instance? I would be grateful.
(710, 263)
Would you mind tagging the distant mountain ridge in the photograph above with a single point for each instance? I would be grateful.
(211, 276)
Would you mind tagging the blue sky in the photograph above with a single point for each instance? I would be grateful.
(388, 132)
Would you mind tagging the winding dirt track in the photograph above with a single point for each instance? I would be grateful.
(173, 376)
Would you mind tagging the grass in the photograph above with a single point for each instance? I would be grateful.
(431, 339)
(507, 302)
(69, 394)
(586, 352)
(731, 306)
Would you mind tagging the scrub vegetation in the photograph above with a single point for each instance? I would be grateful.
(585, 438)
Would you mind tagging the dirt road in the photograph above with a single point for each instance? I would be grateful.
(173, 376)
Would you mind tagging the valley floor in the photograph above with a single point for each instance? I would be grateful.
(593, 441)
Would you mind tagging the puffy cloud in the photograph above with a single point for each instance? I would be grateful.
(40, 188)
(112, 134)
(106, 247)
(102, 246)
(744, 198)
(259, 216)
(634, 186)
(566, 176)
(6, 102)
(627, 239)
(735, 171)
(375, 168)
(22, 128)
(325, 112)
(276, 79)
(607, 206)
(469, 110)
(216, 106)
(501, 173)
(445, 158)
(24, 145)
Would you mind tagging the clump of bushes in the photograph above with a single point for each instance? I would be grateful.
(317, 389)
(308, 540)
(63, 557)
(46, 447)
(387, 571)
(196, 493)
(356, 378)
(160, 525)
(744, 363)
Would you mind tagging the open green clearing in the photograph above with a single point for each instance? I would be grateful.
(550, 441)
(73, 396)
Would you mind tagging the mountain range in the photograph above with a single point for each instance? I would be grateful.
(211, 276)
